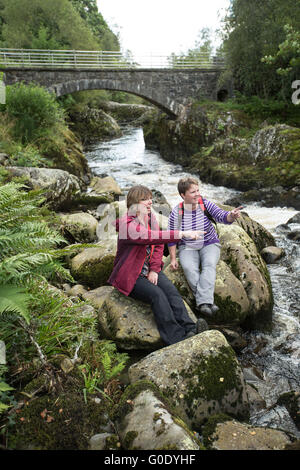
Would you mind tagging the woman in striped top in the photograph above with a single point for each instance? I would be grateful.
(195, 214)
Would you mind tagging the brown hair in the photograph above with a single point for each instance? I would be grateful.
(137, 194)
(185, 183)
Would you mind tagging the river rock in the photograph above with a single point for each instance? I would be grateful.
(80, 227)
(295, 219)
(104, 441)
(200, 376)
(233, 435)
(106, 185)
(97, 296)
(76, 291)
(94, 124)
(129, 322)
(124, 112)
(271, 254)
(93, 266)
(240, 253)
(60, 186)
(144, 421)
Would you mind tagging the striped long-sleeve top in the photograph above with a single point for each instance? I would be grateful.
(197, 220)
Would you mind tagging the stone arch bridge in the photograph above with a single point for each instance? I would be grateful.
(170, 89)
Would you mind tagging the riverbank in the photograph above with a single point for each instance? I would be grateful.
(225, 145)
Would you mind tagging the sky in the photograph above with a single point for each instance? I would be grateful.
(160, 27)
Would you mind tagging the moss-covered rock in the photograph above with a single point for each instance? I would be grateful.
(93, 266)
(129, 322)
(145, 420)
(94, 124)
(79, 227)
(200, 376)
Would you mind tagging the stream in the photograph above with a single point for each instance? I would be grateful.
(271, 361)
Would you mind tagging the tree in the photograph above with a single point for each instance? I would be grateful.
(253, 30)
(88, 10)
(45, 23)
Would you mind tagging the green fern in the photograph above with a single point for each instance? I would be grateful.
(14, 300)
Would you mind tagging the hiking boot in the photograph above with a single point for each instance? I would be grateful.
(214, 308)
(204, 308)
(201, 325)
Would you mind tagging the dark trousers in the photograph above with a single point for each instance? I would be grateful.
(171, 316)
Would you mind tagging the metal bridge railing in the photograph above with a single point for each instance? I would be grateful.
(40, 58)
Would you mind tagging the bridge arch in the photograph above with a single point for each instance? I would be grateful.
(73, 86)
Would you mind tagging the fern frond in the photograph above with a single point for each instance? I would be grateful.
(14, 300)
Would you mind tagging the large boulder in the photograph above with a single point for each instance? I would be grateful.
(144, 420)
(92, 124)
(93, 266)
(240, 253)
(80, 227)
(200, 376)
(129, 323)
(60, 187)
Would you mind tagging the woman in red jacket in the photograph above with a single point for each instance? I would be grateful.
(138, 266)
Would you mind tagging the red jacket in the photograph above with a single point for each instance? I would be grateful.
(131, 252)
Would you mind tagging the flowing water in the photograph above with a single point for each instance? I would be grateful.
(271, 361)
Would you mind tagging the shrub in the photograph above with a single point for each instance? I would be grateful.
(34, 110)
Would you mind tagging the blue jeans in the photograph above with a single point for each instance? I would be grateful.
(201, 280)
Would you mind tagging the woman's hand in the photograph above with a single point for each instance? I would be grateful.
(174, 264)
(234, 214)
(192, 234)
(153, 277)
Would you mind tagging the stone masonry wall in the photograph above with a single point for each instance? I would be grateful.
(169, 89)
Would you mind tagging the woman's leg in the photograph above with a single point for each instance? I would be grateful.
(176, 303)
(170, 330)
(209, 256)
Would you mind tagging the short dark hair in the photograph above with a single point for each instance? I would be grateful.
(185, 183)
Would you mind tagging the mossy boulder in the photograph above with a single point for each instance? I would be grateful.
(145, 421)
(60, 187)
(124, 112)
(200, 376)
(79, 227)
(239, 252)
(93, 266)
(105, 185)
(129, 322)
(92, 124)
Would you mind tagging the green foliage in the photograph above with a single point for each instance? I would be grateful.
(287, 58)
(110, 366)
(14, 300)
(33, 109)
(88, 10)
(45, 23)
(253, 30)
(6, 400)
